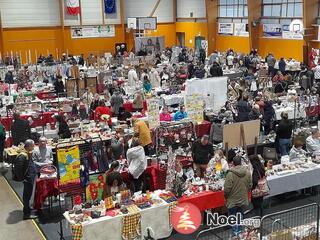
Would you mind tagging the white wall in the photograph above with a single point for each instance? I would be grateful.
(31, 13)
(184, 7)
(143, 8)
(41, 13)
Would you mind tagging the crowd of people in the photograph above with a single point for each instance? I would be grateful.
(251, 97)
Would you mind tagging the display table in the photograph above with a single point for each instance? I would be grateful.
(205, 200)
(156, 174)
(300, 112)
(46, 187)
(293, 181)
(203, 128)
(42, 120)
(26, 94)
(44, 95)
(111, 227)
(129, 106)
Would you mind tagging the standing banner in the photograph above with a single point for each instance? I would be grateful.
(110, 6)
(194, 107)
(153, 112)
(272, 30)
(69, 164)
(225, 28)
(93, 31)
(73, 7)
(241, 29)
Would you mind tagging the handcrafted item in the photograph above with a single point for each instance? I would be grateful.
(108, 203)
(125, 195)
(69, 164)
(131, 227)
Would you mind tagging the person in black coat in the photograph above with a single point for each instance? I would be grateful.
(268, 116)
(216, 70)
(282, 65)
(58, 85)
(284, 133)
(257, 173)
(20, 130)
(244, 109)
(63, 131)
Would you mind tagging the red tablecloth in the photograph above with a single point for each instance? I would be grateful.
(313, 111)
(129, 106)
(46, 117)
(45, 188)
(203, 128)
(46, 95)
(205, 200)
(156, 174)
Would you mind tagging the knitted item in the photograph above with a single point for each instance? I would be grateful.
(131, 226)
(76, 232)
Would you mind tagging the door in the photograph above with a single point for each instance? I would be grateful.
(181, 38)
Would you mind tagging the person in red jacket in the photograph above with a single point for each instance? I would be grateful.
(102, 110)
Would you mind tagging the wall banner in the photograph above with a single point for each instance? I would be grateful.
(93, 31)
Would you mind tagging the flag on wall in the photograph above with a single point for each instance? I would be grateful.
(73, 7)
(110, 6)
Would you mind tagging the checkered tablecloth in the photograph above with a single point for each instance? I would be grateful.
(76, 232)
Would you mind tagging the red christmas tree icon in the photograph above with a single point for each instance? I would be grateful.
(185, 221)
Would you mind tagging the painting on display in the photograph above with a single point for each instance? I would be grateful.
(153, 112)
(69, 164)
(96, 187)
(149, 45)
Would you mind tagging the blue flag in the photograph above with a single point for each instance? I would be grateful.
(110, 6)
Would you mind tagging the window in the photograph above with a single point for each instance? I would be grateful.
(282, 8)
(233, 9)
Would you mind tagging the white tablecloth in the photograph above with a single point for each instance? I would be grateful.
(300, 112)
(110, 228)
(294, 181)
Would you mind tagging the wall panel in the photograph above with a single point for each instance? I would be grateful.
(35, 13)
(185, 7)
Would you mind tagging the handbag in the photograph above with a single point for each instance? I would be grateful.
(270, 154)
(262, 189)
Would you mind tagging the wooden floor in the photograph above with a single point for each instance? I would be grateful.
(11, 224)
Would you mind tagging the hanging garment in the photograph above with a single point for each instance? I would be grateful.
(73, 7)
(110, 6)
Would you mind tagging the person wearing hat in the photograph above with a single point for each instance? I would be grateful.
(202, 152)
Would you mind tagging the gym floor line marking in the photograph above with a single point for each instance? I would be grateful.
(33, 221)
